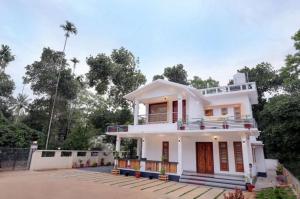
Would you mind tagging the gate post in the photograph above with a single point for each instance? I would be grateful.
(33, 147)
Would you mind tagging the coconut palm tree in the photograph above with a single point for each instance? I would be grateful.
(75, 61)
(69, 29)
(5, 57)
(21, 105)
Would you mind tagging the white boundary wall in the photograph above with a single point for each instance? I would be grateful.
(65, 162)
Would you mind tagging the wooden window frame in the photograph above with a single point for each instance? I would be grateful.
(168, 149)
(210, 109)
(226, 154)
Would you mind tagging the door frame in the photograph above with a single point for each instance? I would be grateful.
(212, 156)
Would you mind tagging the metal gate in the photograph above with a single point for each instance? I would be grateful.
(14, 158)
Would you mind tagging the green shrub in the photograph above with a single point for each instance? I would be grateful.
(276, 193)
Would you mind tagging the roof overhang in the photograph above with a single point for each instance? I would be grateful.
(161, 83)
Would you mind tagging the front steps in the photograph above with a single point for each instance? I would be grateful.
(216, 180)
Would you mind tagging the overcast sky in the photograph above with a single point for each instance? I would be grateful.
(210, 38)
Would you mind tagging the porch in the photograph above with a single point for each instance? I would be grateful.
(209, 153)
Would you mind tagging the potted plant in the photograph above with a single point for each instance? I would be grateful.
(137, 172)
(81, 163)
(180, 125)
(162, 175)
(202, 126)
(249, 185)
(247, 123)
(88, 163)
(225, 124)
(115, 170)
(94, 164)
(279, 169)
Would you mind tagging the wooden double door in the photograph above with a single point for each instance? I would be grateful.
(204, 157)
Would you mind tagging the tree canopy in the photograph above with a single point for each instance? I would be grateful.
(198, 83)
(176, 74)
(115, 75)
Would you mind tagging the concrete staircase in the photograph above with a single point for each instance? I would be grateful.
(216, 180)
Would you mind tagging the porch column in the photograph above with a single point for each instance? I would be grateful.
(136, 112)
(245, 150)
(179, 112)
(138, 147)
(118, 147)
(179, 158)
(143, 163)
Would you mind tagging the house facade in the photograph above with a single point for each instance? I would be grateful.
(194, 133)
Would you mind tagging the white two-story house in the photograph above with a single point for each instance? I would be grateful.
(205, 136)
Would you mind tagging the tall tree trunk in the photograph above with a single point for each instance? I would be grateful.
(55, 95)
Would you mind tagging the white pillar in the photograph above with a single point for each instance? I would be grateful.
(144, 155)
(179, 112)
(118, 147)
(245, 149)
(138, 147)
(179, 158)
(136, 112)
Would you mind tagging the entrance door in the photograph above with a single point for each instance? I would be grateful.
(238, 156)
(204, 157)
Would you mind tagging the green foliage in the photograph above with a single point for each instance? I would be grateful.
(17, 134)
(115, 75)
(156, 77)
(79, 139)
(276, 193)
(266, 80)
(279, 121)
(6, 85)
(42, 75)
(176, 74)
(5, 57)
(290, 73)
(198, 83)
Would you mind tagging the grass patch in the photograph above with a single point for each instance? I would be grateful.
(276, 193)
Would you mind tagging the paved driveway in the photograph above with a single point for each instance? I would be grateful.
(75, 184)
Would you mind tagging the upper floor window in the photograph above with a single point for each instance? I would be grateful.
(237, 112)
(209, 112)
(158, 112)
(224, 111)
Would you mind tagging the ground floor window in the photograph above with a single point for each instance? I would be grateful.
(238, 156)
(165, 151)
(223, 150)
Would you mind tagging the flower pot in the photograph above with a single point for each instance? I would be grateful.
(163, 177)
(247, 125)
(182, 127)
(137, 174)
(150, 177)
(250, 187)
(225, 126)
(202, 127)
(127, 174)
(81, 165)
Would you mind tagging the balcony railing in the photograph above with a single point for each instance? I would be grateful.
(200, 124)
(117, 128)
(229, 88)
(218, 123)
(150, 165)
(153, 118)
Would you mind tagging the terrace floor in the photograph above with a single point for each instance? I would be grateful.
(75, 183)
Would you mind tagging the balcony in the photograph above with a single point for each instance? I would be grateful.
(229, 89)
(218, 123)
(163, 123)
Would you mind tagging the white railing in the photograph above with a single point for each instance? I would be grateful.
(228, 89)
(153, 118)
(219, 123)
